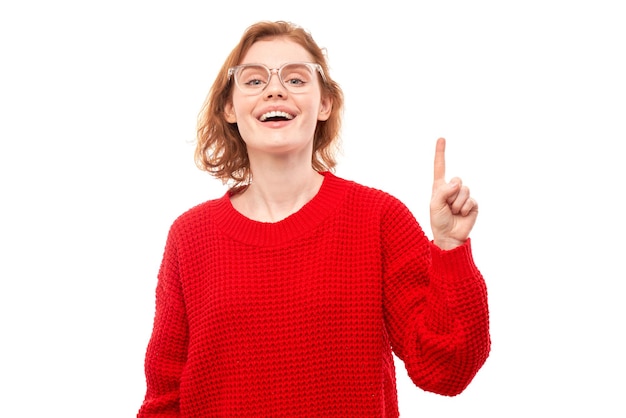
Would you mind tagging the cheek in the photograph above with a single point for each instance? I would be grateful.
(241, 105)
(241, 110)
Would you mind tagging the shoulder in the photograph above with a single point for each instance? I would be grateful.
(373, 205)
(198, 215)
(377, 198)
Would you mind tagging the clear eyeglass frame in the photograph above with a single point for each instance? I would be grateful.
(253, 90)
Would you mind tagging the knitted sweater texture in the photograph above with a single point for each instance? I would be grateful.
(299, 318)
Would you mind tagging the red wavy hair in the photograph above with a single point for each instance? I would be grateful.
(221, 151)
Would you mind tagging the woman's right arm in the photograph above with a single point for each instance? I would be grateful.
(167, 350)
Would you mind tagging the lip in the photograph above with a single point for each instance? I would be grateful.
(276, 124)
(280, 109)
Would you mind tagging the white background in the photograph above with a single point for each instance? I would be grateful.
(98, 103)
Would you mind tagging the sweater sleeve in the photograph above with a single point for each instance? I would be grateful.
(435, 305)
(167, 349)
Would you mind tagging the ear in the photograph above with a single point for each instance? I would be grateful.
(326, 106)
(229, 113)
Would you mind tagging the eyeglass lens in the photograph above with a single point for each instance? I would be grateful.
(253, 79)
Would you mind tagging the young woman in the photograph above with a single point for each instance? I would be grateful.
(287, 296)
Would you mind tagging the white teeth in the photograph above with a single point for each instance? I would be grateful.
(275, 114)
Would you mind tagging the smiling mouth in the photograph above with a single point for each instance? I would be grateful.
(275, 116)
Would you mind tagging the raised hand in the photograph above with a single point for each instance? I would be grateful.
(453, 212)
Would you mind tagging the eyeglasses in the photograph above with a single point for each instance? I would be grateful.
(296, 77)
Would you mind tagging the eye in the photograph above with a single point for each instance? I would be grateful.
(252, 76)
(295, 81)
(296, 75)
(253, 82)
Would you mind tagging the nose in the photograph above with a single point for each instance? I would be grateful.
(275, 87)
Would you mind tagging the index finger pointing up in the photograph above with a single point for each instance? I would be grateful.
(440, 160)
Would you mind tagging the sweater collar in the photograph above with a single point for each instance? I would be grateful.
(252, 232)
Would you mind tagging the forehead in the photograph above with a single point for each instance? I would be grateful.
(276, 52)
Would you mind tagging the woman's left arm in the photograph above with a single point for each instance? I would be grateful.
(435, 296)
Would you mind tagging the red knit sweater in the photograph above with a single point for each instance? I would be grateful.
(298, 318)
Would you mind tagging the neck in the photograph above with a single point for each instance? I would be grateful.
(276, 193)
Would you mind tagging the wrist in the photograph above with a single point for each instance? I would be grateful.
(447, 243)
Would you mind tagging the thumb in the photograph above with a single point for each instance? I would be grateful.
(444, 193)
